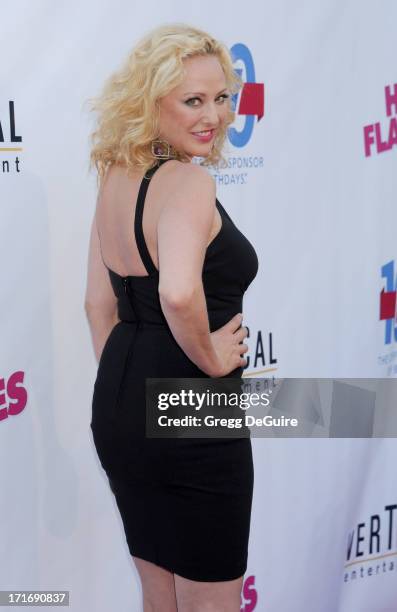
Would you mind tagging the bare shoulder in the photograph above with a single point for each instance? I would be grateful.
(113, 177)
(181, 176)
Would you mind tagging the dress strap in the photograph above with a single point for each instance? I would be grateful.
(224, 211)
(138, 226)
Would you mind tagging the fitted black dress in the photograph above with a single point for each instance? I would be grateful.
(185, 503)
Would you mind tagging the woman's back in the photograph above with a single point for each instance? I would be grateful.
(115, 216)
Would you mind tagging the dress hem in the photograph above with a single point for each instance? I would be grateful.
(189, 575)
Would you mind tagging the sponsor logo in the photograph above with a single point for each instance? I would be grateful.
(388, 302)
(372, 546)
(13, 395)
(387, 315)
(262, 359)
(249, 595)
(9, 138)
(382, 136)
(250, 102)
(249, 106)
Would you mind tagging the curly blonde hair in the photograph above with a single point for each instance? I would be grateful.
(128, 110)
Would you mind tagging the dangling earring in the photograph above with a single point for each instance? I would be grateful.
(160, 149)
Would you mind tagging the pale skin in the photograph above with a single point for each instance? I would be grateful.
(182, 224)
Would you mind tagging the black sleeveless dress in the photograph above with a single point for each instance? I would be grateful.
(185, 503)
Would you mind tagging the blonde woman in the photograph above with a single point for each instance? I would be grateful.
(167, 272)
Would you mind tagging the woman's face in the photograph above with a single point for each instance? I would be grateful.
(199, 104)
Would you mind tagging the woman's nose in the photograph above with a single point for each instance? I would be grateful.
(210, 115)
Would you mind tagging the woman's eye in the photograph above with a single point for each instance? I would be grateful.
(192, 100)
(189, 102)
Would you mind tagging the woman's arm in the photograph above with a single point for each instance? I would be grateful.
(183, 230)
(100, 302)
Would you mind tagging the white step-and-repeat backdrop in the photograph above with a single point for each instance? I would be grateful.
(312, 182)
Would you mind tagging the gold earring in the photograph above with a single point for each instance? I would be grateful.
(160, 149)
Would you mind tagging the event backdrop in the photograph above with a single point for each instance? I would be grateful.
(311, 180)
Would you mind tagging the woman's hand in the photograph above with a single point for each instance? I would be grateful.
(229, 346)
